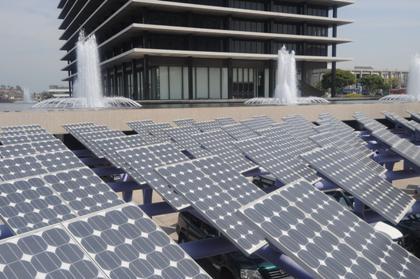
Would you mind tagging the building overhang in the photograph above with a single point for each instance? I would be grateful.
(135, 28)
(138, 53)
(203, 9)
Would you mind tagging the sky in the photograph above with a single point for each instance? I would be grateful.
(385, 34)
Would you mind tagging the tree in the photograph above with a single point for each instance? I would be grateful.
(373, 83)
(392, 83)
(343, 79)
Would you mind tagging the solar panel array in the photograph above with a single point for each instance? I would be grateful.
(325, 238)
(277, 160)
(56, 189)
(415, 116)
(141, 162)
(216, 199)
(298, 127)
(369, 124)
(360, 181)
(152, 133)
(221, 144)
(121, 242)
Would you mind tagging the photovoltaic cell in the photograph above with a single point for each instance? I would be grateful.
(218, 205)
(141, 162)
(47, 253)
(325, 238)
(221, 144)
(126, 243)
(275, 160)
(239, 131)
(354, 177)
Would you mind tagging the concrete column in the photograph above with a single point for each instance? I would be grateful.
(230, 79)
(190, 79)
(125, 92)
(146, 77)
(135, 83)
(334, 54)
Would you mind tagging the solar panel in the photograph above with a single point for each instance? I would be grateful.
(258, 123)
(225, 121)
(24, 149)
(42, 200)
(218, 205)
(20, 128)
(408, 151)
(207, 126)
(15, 133)
(325, 238)
(239, 131)
(386, 137)
(87, 129)
(26, 138)
(27, 166)
(415, 116)
(184, 122)
(281, 136)
(82, 190)
(182, 137)
(327, 139)
(110, 146)
(126, 243)
(354, 177)
(221, 144)
(88, 139)
(276, 160)
(29, 204)
(20, 167)
(47, 253)
(143, 160)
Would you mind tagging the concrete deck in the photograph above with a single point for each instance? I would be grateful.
(117, 119)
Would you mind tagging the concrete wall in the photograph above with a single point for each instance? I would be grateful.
(117, 119)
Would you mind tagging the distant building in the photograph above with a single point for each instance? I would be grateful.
(59, 91)
(401, 76)
(9, 94)
(201, 49)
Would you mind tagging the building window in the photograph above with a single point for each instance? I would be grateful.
(247, 4)
(281, 7)
(247, 25)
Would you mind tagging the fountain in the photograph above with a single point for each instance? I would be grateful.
(414, 78)
(88, 86)
(413, 89)
(27, 96)
(286, 91)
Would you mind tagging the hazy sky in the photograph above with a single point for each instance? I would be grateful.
(386, 34)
